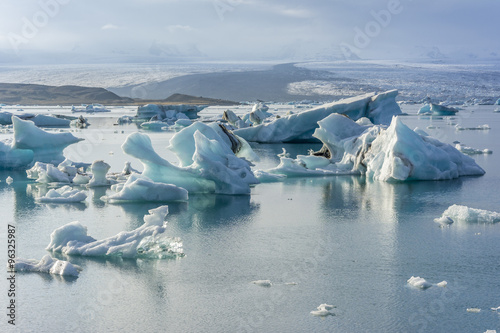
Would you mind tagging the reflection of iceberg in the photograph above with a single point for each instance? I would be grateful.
(215, 168)
(393, 154)
(300, 127)
(147, 241)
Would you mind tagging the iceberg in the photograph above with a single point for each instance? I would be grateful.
(140, 188)
(497, 102)
(99, 170)
(418, 282)
(64, 194)
(212, 167)
(47, 265)
(437, 110)
(46, 147)
(40, 120)
(299, 127)
(168, 111)
(471, 151)
(396, 153)
(470, 215)
(147, 241)
(234, 120)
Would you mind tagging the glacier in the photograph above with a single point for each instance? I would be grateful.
(208, 165)
(394, 153)
(147, 241)
(378, 108)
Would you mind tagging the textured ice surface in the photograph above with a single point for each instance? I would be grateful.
(140, 188)
(471, 215)
(99, 170)
(147, 241)
(64, 194)
(47, 265)
(299, 127)
(214, 167)
(47, 173)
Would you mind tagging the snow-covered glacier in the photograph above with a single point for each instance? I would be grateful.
(396, 153)
(379, 108)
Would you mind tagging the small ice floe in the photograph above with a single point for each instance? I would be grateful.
(9, 180)
(47, 265)
(323, 310)
(470, 215)
(496, 309)
(418, 282)
(291, 283)
(473, 310)
(490, 331)
(472, 151)
(442, 284)
(64, 194)
(263, 283)
(444, 221)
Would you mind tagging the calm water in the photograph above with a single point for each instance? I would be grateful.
(341, 240)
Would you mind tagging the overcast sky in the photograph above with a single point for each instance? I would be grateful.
(162, 30)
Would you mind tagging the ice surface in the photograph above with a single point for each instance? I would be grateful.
(442, 110)
(442, 284)
(11, 158)
(147, 241)
(444, 221)
(299, 127)
(418, 282)
(470, 215)
(47, 173)
(99, 170)
(234, 120)
(215, 168)
(64, 194)
(473, 310)
(46, 147)
(140, 188)
(47, 265)
(471, 151)
(323, 310)
(484, 127)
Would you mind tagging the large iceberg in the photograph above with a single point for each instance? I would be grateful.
(210, 164)
(40, 120)
(31, 144)
(147, 241)
(378, 108)
(396, 153)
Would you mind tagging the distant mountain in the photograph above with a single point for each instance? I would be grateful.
(36, 94)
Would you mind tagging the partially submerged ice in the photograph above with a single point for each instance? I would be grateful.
(396, 153)
(31, 144)
(47, 265)
(470, 215)
(140, 188)
(208, 165)
(147, 241)
(162, 112)
(378, 108)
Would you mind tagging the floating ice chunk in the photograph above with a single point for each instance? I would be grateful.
(496, 309)
(323, 310)
(484, 127)
(263, 283)
(399, 153)
(147, 241)
(47, 265)
(471, 151)
(215, 168)
(442, 110)
(425, 109)
(150, 110)
(9, 180)
(490, 331)
(81, 179)
(99, 170)
(266, 177)
(471, 215)
(442, 284)
(473, 310)
(47, 173)
(11, 158)
(47, 147)
(300, 127)
(418, 282)
(127, 169)
(64, 194)
(234, 120)
(444, 221)
(140, 188)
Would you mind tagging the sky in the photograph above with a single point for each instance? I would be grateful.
(80, 31)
